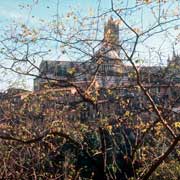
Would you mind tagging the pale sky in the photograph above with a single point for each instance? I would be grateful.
(35, 13)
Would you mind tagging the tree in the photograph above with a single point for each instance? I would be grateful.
(137, 128)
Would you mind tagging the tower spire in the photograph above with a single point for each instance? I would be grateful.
(111, 34)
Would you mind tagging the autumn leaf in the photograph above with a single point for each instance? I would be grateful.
(71, 70)
(177, 124)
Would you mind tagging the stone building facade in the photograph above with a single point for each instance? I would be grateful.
(106, 77)
(106, 59)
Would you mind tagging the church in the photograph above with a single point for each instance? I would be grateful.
(106, 61)
(104, 80)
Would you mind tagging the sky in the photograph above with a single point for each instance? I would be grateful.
(35, 13)
(31, 12)
(41, 9)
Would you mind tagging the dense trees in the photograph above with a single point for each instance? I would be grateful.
(134, 129)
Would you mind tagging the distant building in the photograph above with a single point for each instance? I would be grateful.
(108, 71)
(102, 88)
(107, 58)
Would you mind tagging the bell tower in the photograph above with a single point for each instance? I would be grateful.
(111, 35)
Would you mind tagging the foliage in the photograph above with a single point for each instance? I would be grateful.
(82, 130)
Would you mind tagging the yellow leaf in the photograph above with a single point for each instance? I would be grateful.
(147, 1)
(118, 22)
(109, 92)
(91, 13)
(137, 30)
(177, 124)
(127, 113)
(109, 128)
(71, 70)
